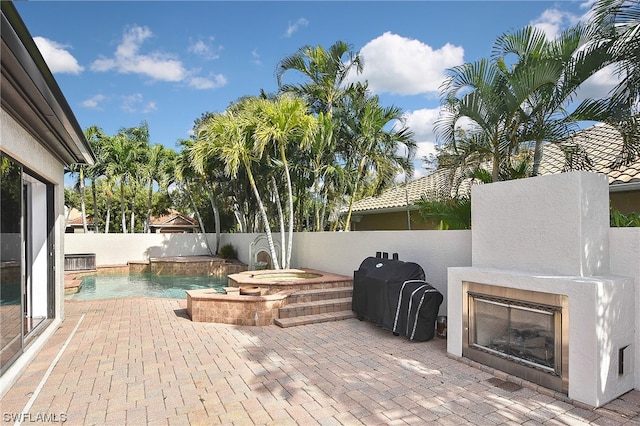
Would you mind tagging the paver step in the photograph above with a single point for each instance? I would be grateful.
(320, 294)
(316, 307)
(313, 319)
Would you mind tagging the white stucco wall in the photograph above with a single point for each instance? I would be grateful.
(557, 223)
(118, 249)
(625, 260)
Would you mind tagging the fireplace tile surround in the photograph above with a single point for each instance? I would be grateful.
(550, 234)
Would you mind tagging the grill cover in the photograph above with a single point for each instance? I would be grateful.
(376, 288)
(417, 310)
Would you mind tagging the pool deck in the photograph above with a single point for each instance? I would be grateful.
(142, 361)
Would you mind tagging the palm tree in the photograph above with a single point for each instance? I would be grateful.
(618, 22)
(153, 170)
(79, 170)
(94, 136)
(123, 156)
(97, 140)
(281, 123)
(618, 25)
(371, 138)
(495, 101)
(326, 70)
(549, 72)
(184, 174)
(229, 136)
(208, 174)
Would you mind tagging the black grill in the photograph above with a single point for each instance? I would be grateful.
(394, 295)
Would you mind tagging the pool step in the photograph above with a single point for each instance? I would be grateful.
(302, 296)
(315, 318)
(313, 306)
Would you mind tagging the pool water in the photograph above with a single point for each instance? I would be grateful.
(145, 285)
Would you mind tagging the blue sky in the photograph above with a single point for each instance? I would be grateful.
(168, 62)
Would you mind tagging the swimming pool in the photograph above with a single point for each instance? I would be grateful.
(111, 286)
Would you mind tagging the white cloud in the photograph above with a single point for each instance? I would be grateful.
(205, 49)
(57, 56)
(292, 28)
(135, 103)
(202, 83)
(421, 123)
(404, 66)
(256, 57)
(599, 85)
(94, 102)
(553, 21)
(127, 59)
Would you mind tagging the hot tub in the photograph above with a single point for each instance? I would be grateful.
(275, 286)
(275, 280)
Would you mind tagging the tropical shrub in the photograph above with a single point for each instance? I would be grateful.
(227, 251)
(621, 220)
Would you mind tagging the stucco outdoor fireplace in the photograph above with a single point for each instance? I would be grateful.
(539, 301)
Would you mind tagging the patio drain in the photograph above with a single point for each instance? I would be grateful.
(504, 385)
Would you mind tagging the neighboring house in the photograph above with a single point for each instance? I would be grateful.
(39, 137)
(601, 144)
(395, 209)
(173, 223)
(74, 223)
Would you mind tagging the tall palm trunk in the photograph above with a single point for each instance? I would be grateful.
(124, 216)
(347, 225)
(290, 200)
(197, 211)
(82, 201)
(108, 218)
(95, 206)
(537, 158)
(133, 210)
(216, 214)
(276, 195)
(263, 215)
(147, 227)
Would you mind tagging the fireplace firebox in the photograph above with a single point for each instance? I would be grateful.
(521, 332)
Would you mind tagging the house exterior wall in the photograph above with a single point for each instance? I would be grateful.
(24, 148)
(626, 202)
(391, 221)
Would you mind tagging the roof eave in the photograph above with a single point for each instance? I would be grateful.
(32, 97)
(385, 210)
(624, 187)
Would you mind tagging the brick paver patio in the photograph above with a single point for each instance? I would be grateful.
(142, 361)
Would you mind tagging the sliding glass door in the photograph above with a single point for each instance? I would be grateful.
(11, 261)
(26, 257)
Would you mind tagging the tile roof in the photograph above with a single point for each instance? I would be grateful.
(77, 221)
(173, 218)
(601, 143)
(399, 196)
